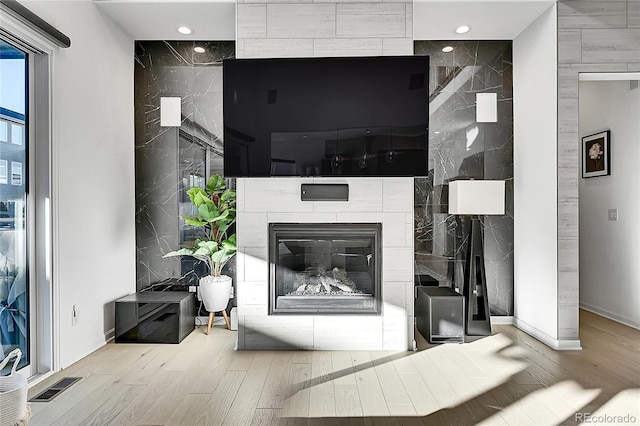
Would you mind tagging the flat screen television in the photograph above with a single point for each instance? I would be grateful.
(345, 116)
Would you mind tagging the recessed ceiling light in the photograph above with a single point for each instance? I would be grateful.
(198, 49)
(447, 49)
(462, 29)
(185, 30)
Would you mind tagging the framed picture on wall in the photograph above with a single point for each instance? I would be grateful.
(596, 158)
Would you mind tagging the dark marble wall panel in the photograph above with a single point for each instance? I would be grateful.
(460, 148)
(167, 158)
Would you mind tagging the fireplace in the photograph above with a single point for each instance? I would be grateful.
(325, 268)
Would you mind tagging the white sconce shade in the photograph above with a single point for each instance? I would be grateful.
(170, 112)
(486, 107)
(476, 197)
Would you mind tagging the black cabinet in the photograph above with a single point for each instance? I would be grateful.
(155, 317)
(440, 314)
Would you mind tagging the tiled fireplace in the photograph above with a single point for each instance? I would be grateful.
(325, 274)
(324, 268)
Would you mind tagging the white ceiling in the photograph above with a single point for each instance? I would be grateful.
(215, 20)
(159, 20)
(489, 20)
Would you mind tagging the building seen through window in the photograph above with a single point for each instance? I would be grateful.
(14, 235)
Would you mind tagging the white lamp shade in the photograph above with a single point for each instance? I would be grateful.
(476, 197)
(170, 112)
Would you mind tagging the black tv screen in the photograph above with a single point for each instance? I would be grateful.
(360, 116)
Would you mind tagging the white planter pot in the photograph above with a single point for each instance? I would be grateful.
(214, 292)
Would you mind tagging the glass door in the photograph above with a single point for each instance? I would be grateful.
(14, 184)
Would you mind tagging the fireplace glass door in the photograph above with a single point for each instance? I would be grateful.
(325, 268)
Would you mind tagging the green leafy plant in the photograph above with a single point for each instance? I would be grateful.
(216, 214)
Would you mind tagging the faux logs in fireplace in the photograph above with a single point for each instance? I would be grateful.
(325, 268)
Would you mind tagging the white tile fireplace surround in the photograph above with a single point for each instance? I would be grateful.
(371, 200)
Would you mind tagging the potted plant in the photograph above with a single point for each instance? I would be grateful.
(216, 207)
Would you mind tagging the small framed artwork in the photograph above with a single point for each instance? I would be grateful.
(596, 158)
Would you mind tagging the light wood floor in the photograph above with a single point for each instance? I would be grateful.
(507, 378)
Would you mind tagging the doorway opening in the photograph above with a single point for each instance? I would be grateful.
(609, 200)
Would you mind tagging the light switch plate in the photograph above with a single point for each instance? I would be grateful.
(613, 214)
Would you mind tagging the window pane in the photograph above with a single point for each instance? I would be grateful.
(14, 293)
(16, 134)
(4, 131)
(3, 171)
(16, 173)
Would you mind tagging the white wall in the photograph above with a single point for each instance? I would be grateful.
(286, 28)
(93, 172)
(610, 250)
(535, 178)
(592, 37)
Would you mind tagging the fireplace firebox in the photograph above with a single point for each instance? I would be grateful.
(325, 268)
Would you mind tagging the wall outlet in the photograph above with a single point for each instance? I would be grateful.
(192, 289)
(75, 315)
(613, 214)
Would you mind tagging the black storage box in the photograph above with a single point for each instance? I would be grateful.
(155, 317)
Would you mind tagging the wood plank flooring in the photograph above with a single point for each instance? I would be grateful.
(505, 379)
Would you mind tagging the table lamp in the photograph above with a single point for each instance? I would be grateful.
(476, 197)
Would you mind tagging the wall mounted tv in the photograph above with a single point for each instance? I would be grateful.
(353, 116)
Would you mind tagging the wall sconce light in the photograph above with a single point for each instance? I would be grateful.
(486, 107)
(170, 112)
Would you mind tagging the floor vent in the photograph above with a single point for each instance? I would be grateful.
(55, 390)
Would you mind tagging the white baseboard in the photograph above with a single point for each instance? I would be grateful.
(568, 345)
(502, 320)
(552, 342)
(82, 353)
(610, 315)
(110, 335)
